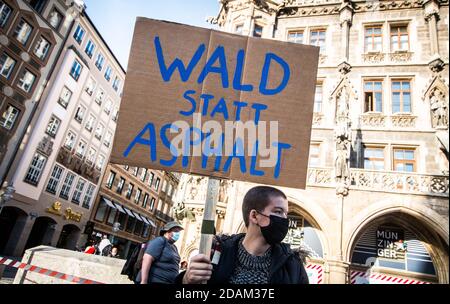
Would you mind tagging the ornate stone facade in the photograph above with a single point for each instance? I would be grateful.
(376, 105)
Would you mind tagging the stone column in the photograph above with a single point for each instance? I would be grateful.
(431, 8)
(345, 18)
(338, 272)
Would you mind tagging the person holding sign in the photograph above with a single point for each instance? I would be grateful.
(257, 257)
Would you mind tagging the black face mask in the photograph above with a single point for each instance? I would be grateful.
(275, 232)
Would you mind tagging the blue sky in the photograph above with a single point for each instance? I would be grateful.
(115, 18)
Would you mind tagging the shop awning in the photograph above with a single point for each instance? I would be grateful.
(119, 207)
(136, 215)
(149, 221)
(129, 212)
(109, 203)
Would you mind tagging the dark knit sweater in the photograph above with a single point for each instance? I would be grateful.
(251, 269)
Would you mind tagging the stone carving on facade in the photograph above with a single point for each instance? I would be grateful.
(317, 119)
(436, 65)
(439, 109)
(46, 146)
(320, 176)
(343, 137)
(375, 57)
(400, 56)
(404, 120)
(372, 120)
(181, 212)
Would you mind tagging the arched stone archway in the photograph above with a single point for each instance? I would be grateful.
(12, 223)
(41, 233)
(68, 237)
(399, 244)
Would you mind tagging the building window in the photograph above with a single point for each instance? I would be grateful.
(126, 167)
(373, 38)
(152, 203)
(318, 38)
(110, 181)
(100, 61)
(6, 65)
(67, 186)
(318, 97)
(108, 73)
(146, 231)
(373, 158)
(79, 34)
(121, 218)
(76, 197)
(238, 29)
(64, 98)
(137, 196)
(91, 155)
(135, 171)
(130, 224)
(35, 170)
(108, 106)
(88, 196)
(120, 185)
(108, 138)
(138, 228)
(150, 179)
(399, 38)
(145, 201)
(100, 97)
(158, 181)
(26, 81)
(90, 123)
(55, 177)
(5, 12)
(116, 83)
(90, 46)
(100, 162)
(70, 140)
(75, 72)
(90, 86)
(401, 96)
(111, 216)
(55, 18)
(99, 131)
(9, 117)
(79, 115)
(22, 32)
(129, 191)
(373, 96)
(53, 126)
(295, 36)
(81, 149)
(314, 155)
(38, 5)
(115, 114)
(404, 160)
(143, 174)
(101, 211)
(42, 47)
(257, 31)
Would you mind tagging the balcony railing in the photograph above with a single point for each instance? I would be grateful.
(386, 181)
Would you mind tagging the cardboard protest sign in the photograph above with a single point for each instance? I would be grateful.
(217, 104)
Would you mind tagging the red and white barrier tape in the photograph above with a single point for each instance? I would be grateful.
(318, 270)
(44, 271)
(382, 278)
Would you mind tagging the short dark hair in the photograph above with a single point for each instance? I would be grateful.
(258, 198)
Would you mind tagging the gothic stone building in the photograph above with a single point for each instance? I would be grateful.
(375, 209)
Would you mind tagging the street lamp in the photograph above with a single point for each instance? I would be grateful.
(6, 195)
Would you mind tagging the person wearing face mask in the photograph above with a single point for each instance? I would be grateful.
(256, 257)
(160, 263)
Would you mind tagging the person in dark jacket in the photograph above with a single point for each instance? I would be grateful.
(257, 257)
